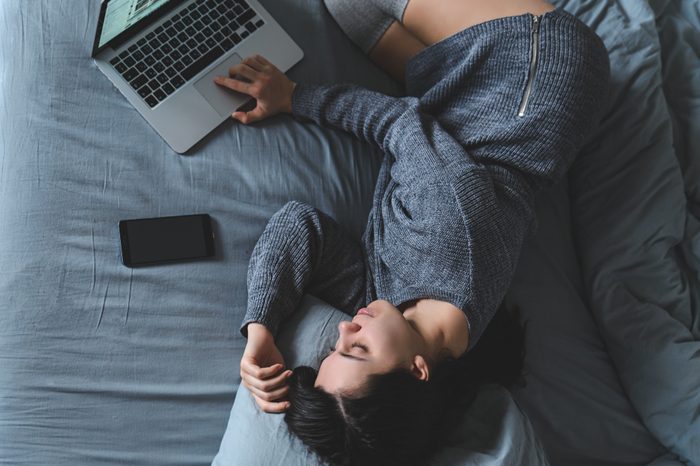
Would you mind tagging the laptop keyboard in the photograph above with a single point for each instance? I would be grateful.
(189, 41)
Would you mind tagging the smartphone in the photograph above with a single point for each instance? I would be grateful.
(151, 241)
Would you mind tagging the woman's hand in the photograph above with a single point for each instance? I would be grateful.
(268, 85)
(262, 370)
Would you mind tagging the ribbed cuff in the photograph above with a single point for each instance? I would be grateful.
(306, 102)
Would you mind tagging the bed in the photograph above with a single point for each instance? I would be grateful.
(104, 365)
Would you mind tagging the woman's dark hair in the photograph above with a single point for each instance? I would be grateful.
(398, 419)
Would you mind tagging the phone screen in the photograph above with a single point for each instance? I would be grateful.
(166, 239)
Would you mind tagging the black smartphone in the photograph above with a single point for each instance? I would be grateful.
(151, 241)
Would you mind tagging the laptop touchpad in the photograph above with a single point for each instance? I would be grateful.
(224, 100)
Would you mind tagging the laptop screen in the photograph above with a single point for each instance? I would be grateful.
(122, 14)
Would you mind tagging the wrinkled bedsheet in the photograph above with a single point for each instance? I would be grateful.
(634, 209)
(100, 364)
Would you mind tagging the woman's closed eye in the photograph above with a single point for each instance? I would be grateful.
(354, 345)
(361, 346)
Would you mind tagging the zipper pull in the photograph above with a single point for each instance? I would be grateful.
(535, 24)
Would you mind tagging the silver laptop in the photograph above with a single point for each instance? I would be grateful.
(163, 56)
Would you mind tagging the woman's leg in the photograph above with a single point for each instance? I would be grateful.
(377, 33)
(432, 21)
(395, 48)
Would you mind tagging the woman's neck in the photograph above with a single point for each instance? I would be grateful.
(442, 325)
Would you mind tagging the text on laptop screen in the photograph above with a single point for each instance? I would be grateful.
(122, 14)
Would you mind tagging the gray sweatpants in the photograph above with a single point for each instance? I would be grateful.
(365, 21)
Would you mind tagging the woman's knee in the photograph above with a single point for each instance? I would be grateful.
(361, 20)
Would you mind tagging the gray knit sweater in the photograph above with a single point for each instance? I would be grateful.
(493, 114)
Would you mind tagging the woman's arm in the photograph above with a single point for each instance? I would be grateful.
(302, 250)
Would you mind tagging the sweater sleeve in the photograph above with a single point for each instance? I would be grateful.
(396, 124)
(302, 250)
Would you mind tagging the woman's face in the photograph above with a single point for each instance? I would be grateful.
(377, 340)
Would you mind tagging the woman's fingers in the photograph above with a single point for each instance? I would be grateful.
(257, 114)
(275, 395)
(271, 406)
(233, 84)
(267, 385)
(261, 373)
(255, 63)
(244, 70)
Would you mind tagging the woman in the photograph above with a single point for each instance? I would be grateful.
(500, 96)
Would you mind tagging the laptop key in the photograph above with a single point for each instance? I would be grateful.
(192, 71)
(162, 78)
(236, 38)
(159, 67)
(130, 74)
(260, 23)
(150, 60)
(245, 34)
(144, 91)
(227, 44)
(151, 73)
(138, 82)
(124, 54)
(151, 101)
(137, 55)
(141, 66)
(250, 26)
(114, 61)
(153, 84)
(166, 49)
(120, 67)
(146, 49)
(245, 17)
(133, 48)
(157, 54)
(218, 37)
(203, 48)
(170, 72)
(195, 54)
(187, 60)
(167, 61)
(168, 88)
(179, 66)
(177, 82)
(141, 42)
(160, 95)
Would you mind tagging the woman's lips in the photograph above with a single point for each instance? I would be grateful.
(365, 311)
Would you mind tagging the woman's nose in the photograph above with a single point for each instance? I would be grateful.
(348, 327)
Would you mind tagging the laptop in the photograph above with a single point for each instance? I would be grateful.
(163, 55)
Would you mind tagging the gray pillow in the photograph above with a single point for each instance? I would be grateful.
(493, 431)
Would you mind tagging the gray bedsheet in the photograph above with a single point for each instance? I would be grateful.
(100, 364)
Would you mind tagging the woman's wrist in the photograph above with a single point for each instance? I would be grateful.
(256, 330)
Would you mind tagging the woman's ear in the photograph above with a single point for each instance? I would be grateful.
(419, 368)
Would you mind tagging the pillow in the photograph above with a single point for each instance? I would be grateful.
(493, 431)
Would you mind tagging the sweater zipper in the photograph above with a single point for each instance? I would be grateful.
(535, 37)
